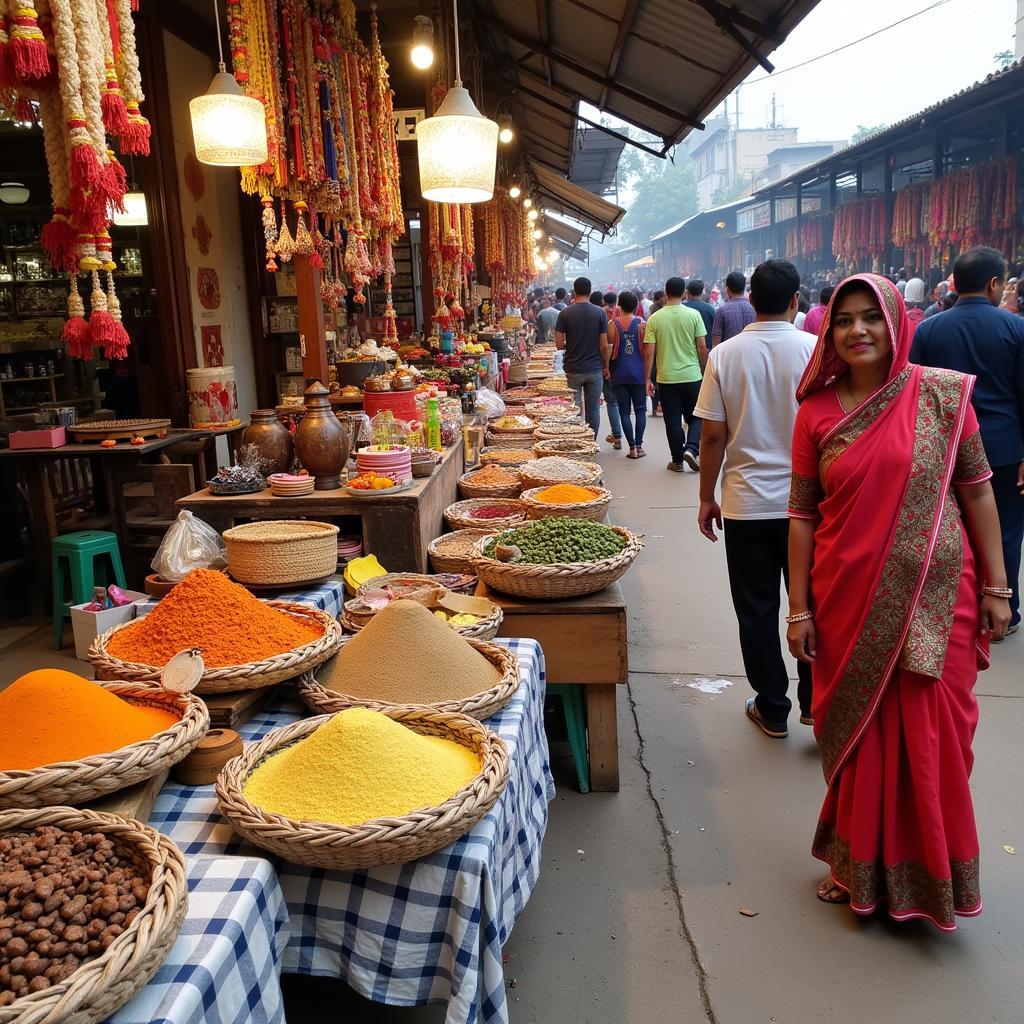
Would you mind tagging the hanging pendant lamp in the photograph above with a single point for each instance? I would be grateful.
(229, 128)
(457, 147)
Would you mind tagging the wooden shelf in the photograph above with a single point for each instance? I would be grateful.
(25, 380)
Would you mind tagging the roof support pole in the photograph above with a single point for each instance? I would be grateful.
(726, 19)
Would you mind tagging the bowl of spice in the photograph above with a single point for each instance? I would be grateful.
(120, 893)
(485, 513)
(582, 449)
(453, 552)
(555, 557)
(491, 481)
(246, 643)
(505, 455)
(363, 788)
(66, 739)
(406, 656)
(568, 499)
(554, 469)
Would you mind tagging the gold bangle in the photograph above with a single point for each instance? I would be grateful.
(799, 617)
(1006, 592)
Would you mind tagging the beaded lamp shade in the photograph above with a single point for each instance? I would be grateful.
(458, 152)
(229, 128)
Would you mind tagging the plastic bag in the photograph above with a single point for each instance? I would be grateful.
(490, 403)
(189, 544)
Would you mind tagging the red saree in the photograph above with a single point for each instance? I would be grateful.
(894, 594)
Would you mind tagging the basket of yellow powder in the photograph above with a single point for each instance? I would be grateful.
(66, 740)
(405, 656)
(363, 788)
(571, 500)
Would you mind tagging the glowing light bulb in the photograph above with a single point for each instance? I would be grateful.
(515, 191)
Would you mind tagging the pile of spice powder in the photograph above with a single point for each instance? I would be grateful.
(208, 611)
(493, 476)
(496, 511)
(404, 655)
(51, 716)
(565, 494)
(360, 765)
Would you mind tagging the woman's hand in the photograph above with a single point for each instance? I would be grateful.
(994, 618)
(801, 639)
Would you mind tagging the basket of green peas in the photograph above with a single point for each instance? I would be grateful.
(555, 557)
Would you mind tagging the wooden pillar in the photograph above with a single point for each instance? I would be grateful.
(312, 340)
(799, 219)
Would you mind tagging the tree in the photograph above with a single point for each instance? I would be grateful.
(1003, 59)
(664, 193)
(863, 131)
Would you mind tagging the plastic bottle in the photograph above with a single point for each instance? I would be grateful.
(432, 423)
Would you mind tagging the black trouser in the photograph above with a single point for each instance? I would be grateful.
(757, 556)
(677, 404)
(1010, 504)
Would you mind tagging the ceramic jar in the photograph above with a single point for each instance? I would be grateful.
(272, 438)
(322, 442)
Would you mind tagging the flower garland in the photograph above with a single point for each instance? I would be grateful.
(508, 252)
(860, 231)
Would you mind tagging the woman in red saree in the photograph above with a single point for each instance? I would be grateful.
(884, 601)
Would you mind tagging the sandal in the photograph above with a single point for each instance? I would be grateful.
(632, 454)
(829, 892)
(640, 453)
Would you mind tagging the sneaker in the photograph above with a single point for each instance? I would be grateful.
(676, 467)
(777, 730)
(691, 460)
(806, 720)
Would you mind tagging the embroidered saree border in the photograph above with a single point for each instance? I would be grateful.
(971, 461)
(888, 621)
(907, 887)
(805, 493)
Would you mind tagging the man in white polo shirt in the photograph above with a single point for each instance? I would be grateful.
(748, 405)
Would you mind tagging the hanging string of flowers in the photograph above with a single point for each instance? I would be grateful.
(72, 66)
(812, 238)
(860, 232)
(508, 250)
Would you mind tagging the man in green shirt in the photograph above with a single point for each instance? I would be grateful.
(676, 339)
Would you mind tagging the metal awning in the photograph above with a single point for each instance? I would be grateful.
(644, 261)
(596, 161)
(568, 250)
(661, 65)
(564, 197)
(566, 232)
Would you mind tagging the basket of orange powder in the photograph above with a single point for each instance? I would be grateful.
(245, 643)
(67, 740)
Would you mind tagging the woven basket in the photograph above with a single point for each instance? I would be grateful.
(594, 510)
(582, 450)
(320, 700)
(535, 478)
(281, 551)
(458, 518)
(486, 629)
(491, 455)
(73, 782)
(450, 562)
(466, 586)
(524, 441)
(519, 396)
(517, 373)
(469, 489)
(493, 427)
(568, 579)
(560, 430)
(102, 986)
(382, 840)
(232, 678)
(549, 411)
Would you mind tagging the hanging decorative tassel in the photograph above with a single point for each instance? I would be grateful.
(303, 239)
(29, 59)
(58, 240)
(76, 331)
(118, 348)
(135, 138)
(285, 247)
(115, 114)
(269, 232)
(101, 323)
(6, 70)
(115, 183)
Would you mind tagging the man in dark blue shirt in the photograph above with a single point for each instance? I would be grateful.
(695, 300)
(975, 336)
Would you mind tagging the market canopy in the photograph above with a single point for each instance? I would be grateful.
(570, 251)
(559, 229)
(596, 162)
(563, 196)
(657, 65)
(644, 261)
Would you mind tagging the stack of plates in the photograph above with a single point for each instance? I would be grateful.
(393, 462)
(284, 485)
(349, 547)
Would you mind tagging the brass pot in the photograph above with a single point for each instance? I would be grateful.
(322, 442)
(273, 439)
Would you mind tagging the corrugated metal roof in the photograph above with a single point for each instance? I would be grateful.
(560, 194)
(596, 160)
(566, 232)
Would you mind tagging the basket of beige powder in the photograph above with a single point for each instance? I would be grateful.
(407, 657)
(582, 449)
(282, 552)
(362, 787)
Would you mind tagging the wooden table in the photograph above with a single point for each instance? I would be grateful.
(584, 642)
(114, 465)
(396, 527)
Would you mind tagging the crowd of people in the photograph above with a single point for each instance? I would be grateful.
(872, 460)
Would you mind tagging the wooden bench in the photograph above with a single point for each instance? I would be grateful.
(584, 642)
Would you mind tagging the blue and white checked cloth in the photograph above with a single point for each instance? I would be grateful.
(225, 966)
(430, 931)
(328, 597)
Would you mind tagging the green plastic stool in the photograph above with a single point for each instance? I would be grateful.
(576, 725)
(79, 552)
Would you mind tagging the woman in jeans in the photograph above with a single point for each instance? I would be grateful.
(626, 371)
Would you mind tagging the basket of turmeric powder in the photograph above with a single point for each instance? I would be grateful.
(490, 482)
(300, 792)
(126, 933)
(246, 643)
(567, 500)
(67, 740)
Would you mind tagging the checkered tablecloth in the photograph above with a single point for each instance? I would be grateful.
(226, 963)
(328, 597)
(431, 931)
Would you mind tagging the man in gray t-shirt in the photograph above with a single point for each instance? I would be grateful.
(582, 331)
(546, 321)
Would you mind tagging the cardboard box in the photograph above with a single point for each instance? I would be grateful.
(88, 625)
(48, 437)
